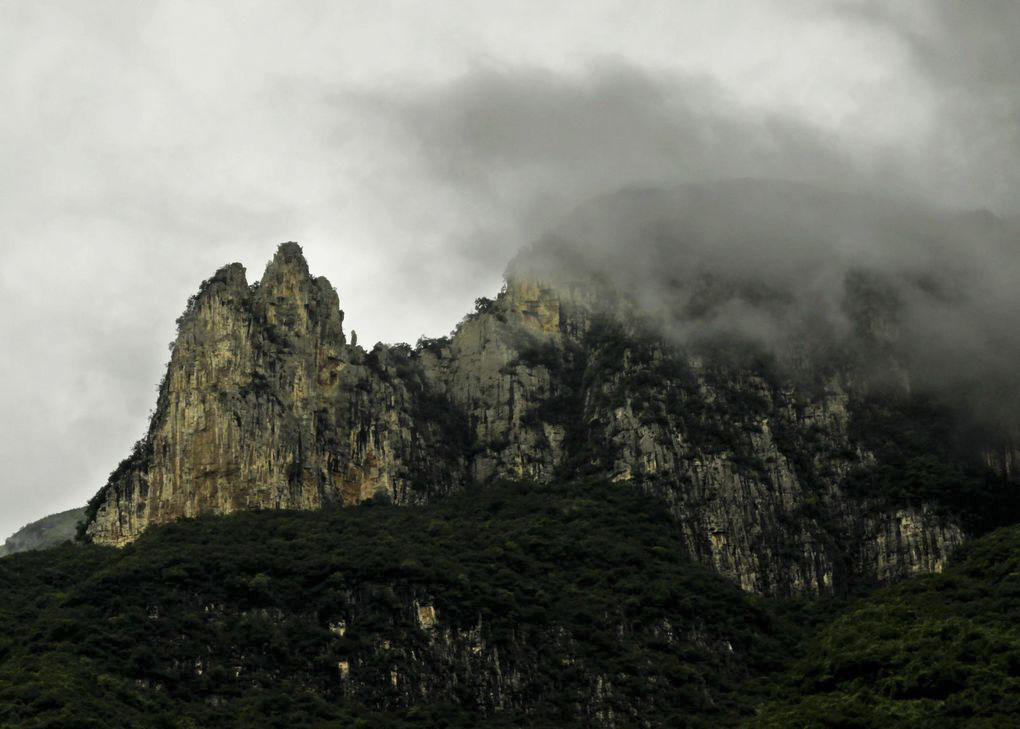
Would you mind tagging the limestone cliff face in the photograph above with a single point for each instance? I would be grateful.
(265, 405)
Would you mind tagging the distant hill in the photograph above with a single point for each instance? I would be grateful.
(47, 532)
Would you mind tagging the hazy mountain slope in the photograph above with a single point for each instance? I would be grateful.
(46, 532)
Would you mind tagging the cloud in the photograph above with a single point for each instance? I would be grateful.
(964, 58)
(518, 146)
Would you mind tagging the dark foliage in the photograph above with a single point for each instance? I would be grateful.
(934, 652)
(226, 621)
(925, 453)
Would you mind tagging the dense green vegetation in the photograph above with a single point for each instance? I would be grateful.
(554, 606)
(227, 621)
(940, 651)
(924, 453)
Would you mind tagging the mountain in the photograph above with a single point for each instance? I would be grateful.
(45, 533)
(793, 431)
(729, 455)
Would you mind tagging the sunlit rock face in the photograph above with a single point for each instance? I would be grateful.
(760, 455)
(265, 406)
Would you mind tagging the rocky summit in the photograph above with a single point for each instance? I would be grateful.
(802, 471)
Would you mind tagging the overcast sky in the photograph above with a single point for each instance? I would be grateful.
(411, 147)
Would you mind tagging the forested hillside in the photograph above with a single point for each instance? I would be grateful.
(516, 605)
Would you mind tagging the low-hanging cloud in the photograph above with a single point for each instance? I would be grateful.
(779, 262)
(813, 212)
(519, 146)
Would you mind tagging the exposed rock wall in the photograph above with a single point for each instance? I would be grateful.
(265, 405)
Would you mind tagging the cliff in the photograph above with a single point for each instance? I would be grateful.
(264, 405)
(802, 470)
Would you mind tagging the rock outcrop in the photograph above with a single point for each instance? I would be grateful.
(265, 406)
(764, 463)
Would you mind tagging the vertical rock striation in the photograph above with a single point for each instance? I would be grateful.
(265, 406)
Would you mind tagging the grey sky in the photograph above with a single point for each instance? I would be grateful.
(411, 147)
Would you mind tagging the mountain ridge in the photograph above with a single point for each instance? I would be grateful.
(764, 462)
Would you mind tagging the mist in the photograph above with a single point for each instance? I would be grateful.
(800, 268)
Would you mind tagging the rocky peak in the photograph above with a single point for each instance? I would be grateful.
(288, 263)
(232, 276)
(293, 303)
(228, 285)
